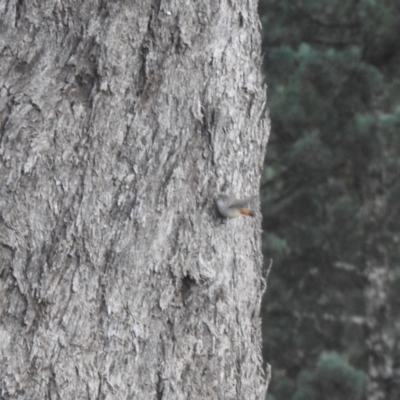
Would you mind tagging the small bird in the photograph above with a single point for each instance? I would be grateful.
(229, 207)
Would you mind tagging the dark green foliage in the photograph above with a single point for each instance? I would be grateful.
(333, 74)
(284, 389)
(332, 379)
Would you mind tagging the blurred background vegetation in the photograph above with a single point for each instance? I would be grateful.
(331, 199)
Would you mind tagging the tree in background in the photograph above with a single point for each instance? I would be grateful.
(331, 188)
(120, 123)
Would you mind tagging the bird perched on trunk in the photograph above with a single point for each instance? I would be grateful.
(229, 207)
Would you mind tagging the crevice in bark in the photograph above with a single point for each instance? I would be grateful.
(159, 388)
(87, 77)
(103, 9)
(99, 392)
(207, 122)
(156, 5)
(5, 120)
(18, 11)
(142, 78)
(188, 283)
(250, 105)
(177, 41)
(241, 21)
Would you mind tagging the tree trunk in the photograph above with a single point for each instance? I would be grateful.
(120, 123)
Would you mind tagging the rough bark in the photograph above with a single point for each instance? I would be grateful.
(120, 123)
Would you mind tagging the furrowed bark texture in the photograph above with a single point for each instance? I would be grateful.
(120, 123)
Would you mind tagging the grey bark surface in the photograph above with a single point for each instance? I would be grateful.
(120, 123)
